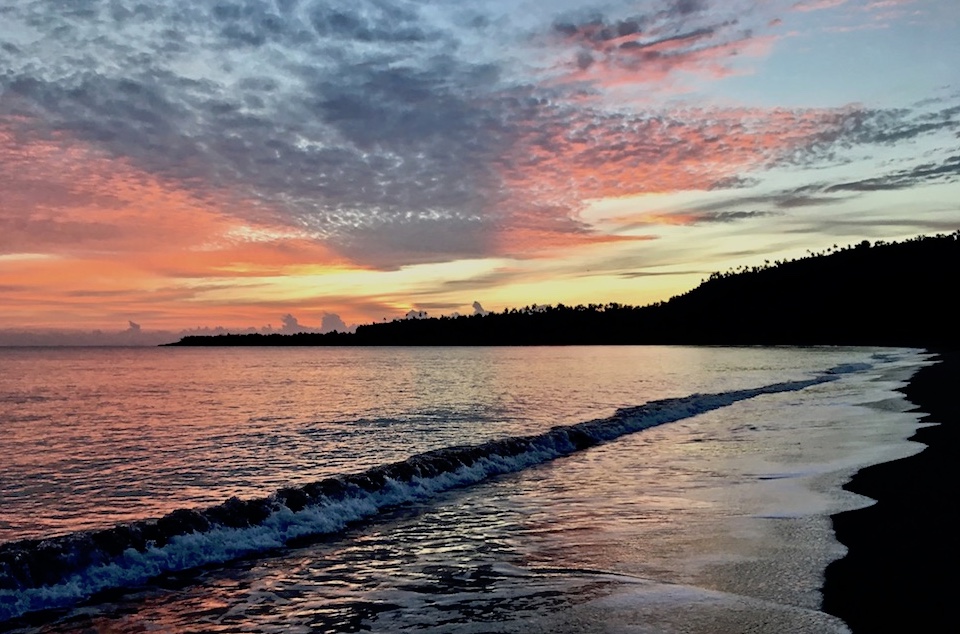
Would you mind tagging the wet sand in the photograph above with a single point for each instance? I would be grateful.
(898, 573)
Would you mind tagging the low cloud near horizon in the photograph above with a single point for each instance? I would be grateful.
(136, 335)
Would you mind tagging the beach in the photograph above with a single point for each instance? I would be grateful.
(893, 578)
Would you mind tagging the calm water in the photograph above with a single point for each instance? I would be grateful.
(715, 522)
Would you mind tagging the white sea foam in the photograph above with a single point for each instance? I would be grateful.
(418, 478)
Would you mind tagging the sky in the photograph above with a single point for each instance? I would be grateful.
(175, 166)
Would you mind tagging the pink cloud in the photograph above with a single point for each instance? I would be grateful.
(574, 156)
(818, 5)
(887, 4)
(652, 58)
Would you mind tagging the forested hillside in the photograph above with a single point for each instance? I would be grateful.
(897, 293)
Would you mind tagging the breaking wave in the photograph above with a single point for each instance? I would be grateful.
(40, 574)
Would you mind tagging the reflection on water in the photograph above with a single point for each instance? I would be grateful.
(712, 524)
(92, 437)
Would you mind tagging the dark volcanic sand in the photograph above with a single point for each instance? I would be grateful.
(898, 575)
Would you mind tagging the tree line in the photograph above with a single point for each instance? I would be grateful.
(886, 293)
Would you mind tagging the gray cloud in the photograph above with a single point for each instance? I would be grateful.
(858, 228)
(947, 170)
(732, 216)
(631, 275)
(686, 7)
(591, 24)
(344, 138)
(865, 127)
(824, 193)
(290, 325)
(690, 36)
(98, 293)
(707, 214)
(331, 322)
(770, 203)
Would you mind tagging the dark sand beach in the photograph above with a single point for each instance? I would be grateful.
(897, 575)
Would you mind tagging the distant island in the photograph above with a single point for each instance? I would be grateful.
(886, 293)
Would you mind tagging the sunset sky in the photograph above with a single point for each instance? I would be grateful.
(182, 164)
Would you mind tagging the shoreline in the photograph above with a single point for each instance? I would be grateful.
(893, 576)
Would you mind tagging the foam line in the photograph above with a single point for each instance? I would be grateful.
(60, 571)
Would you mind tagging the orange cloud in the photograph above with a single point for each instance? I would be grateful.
(80, 230)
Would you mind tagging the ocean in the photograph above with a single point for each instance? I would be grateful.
(548, 489)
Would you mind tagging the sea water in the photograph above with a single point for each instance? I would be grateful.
(628, 489)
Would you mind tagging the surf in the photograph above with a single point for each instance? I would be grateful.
(56, 572)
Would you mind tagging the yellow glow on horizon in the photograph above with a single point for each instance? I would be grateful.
(305, 282)
(497, 283)
(26, 257)
(590, 289)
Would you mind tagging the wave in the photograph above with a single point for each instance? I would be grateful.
(41, 574)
